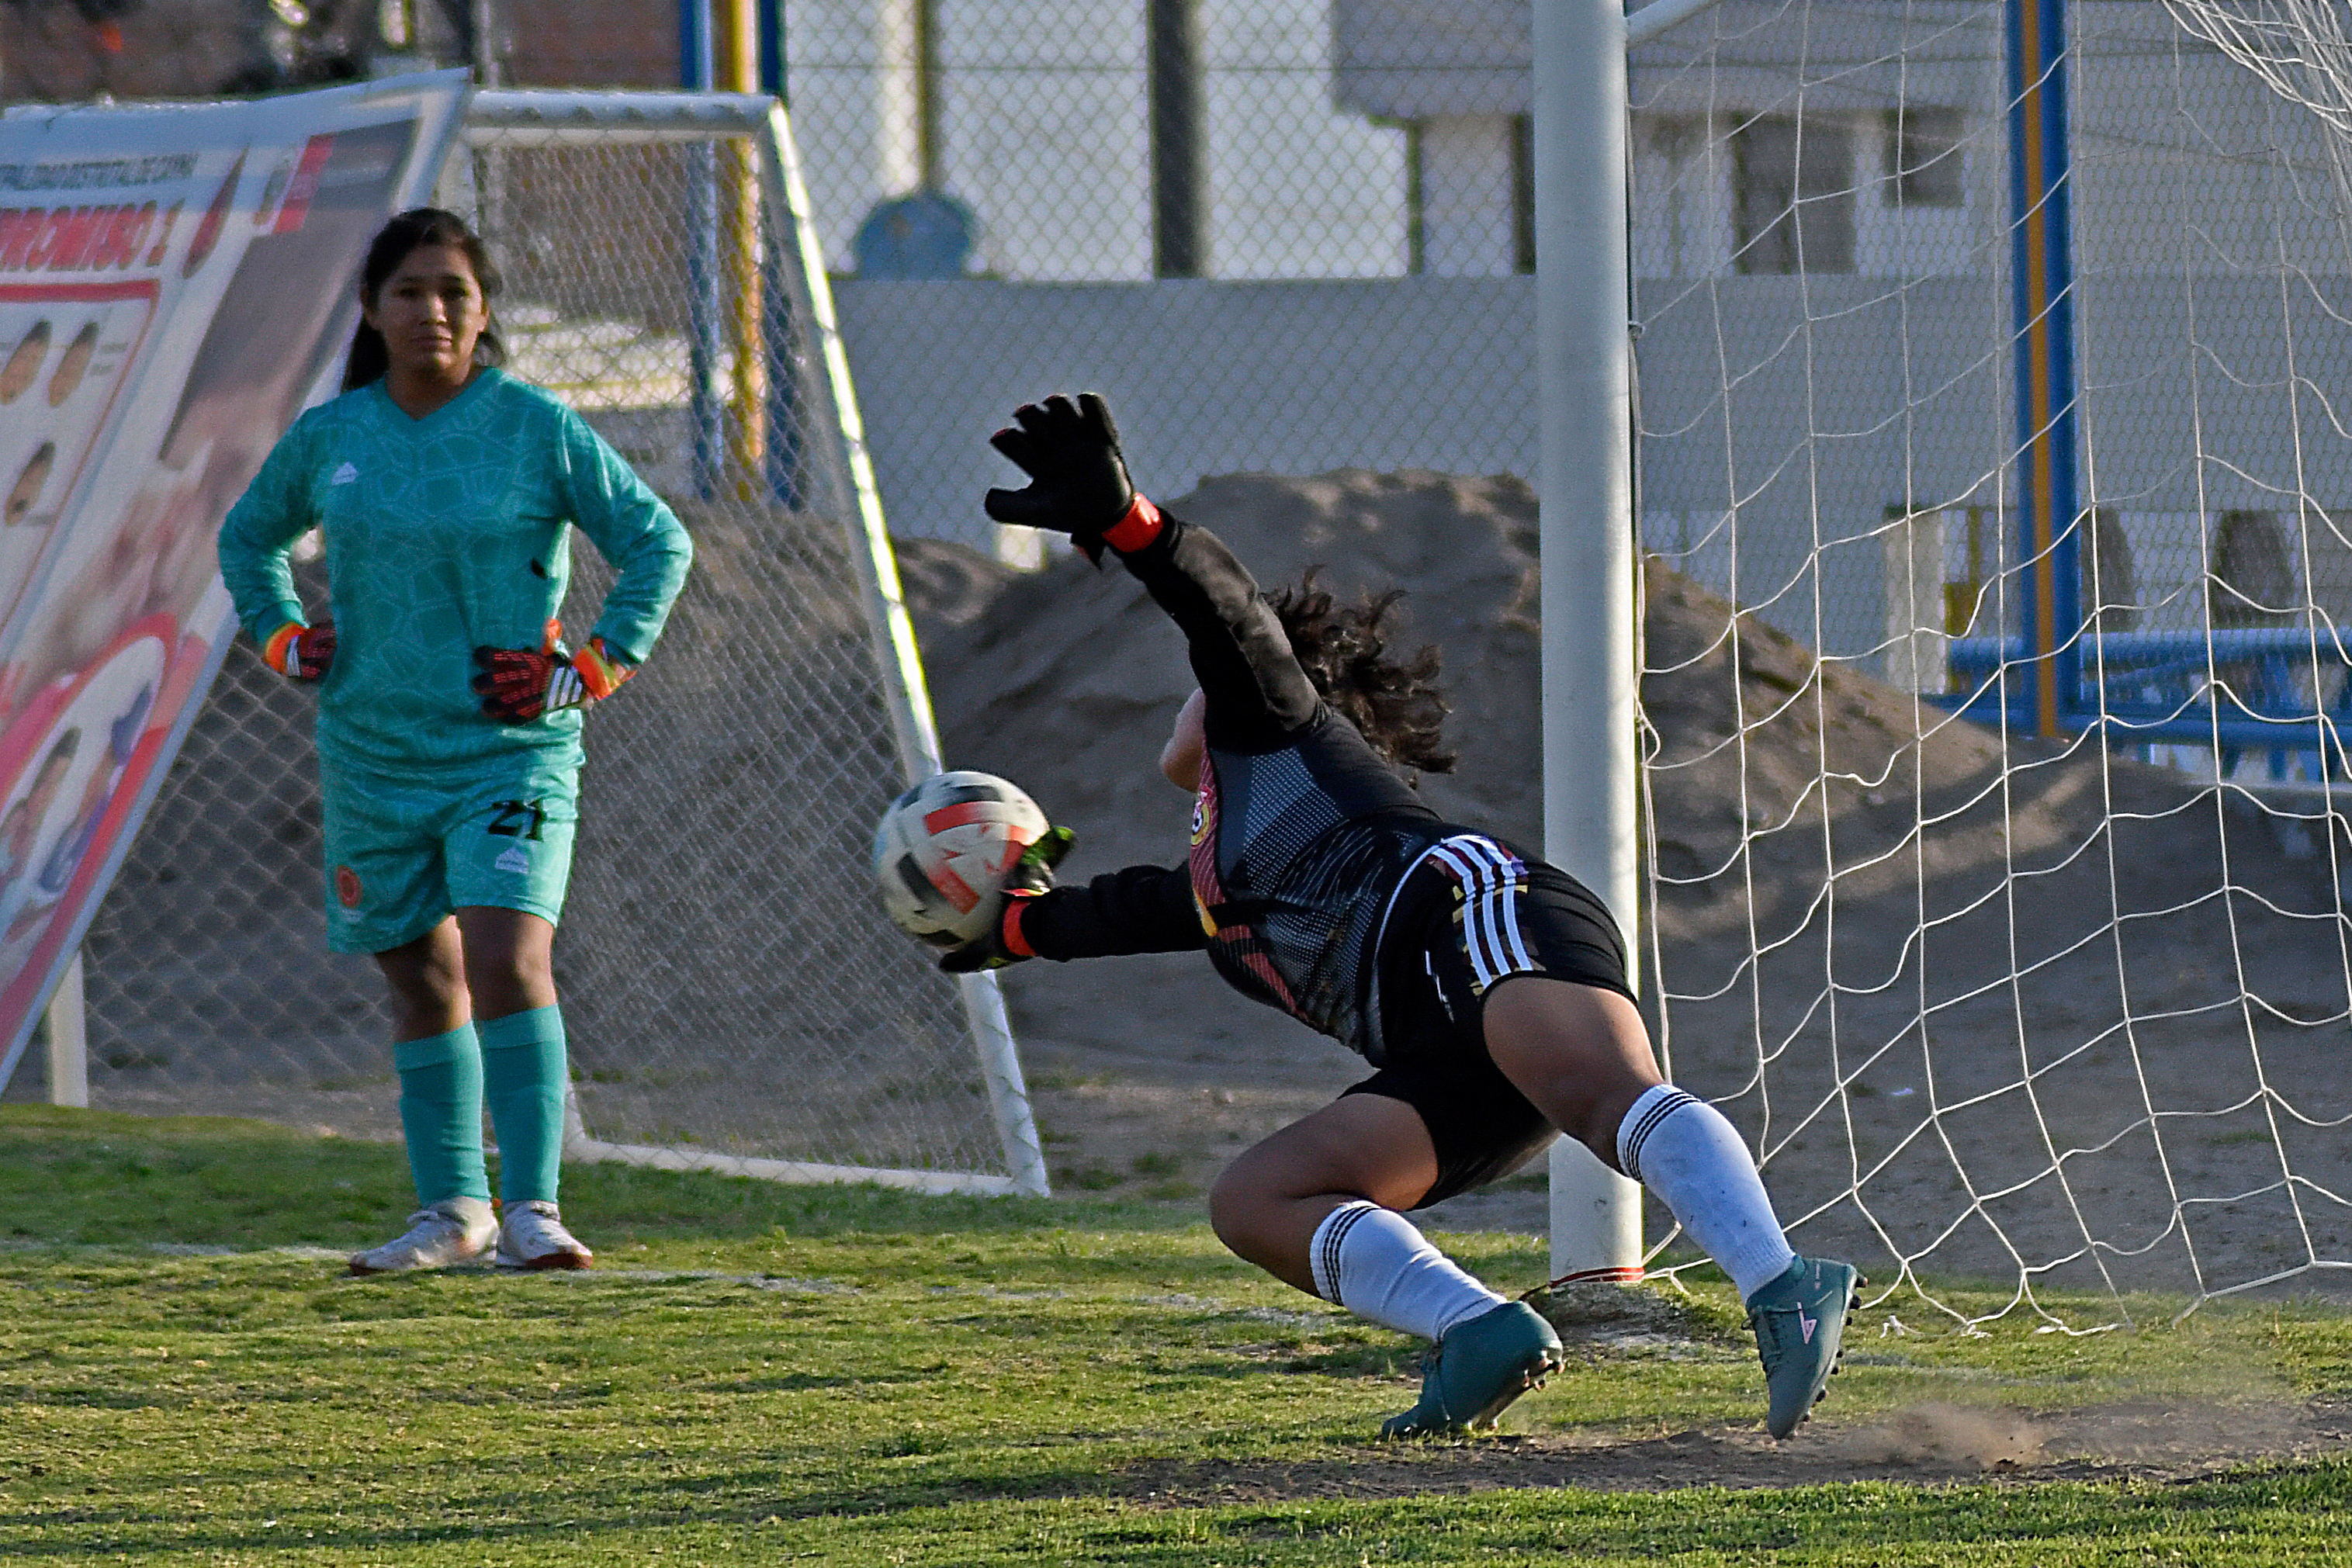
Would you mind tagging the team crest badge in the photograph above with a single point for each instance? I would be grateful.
(347, 887)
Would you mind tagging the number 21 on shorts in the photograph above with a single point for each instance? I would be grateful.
(518, 819)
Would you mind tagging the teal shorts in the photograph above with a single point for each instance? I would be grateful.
(402, 854)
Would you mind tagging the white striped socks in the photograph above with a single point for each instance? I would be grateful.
(1375, 1264)
(1688, 1153)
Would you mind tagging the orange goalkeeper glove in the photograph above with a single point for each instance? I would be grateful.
(1030, 877)
(300, 653)
(518, 684)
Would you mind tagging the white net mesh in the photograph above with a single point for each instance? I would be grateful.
(2053, 1009)
(729, 985)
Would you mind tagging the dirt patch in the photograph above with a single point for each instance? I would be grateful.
(1922, 1444)
(1603, 1317)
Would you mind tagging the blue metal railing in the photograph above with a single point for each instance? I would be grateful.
(2240, 689)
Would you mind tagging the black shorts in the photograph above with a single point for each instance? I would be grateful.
(1473, 914)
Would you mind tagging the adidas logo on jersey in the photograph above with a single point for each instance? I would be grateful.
(346, 474)
(514, 861)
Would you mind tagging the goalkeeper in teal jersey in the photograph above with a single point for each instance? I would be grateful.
(449, 709)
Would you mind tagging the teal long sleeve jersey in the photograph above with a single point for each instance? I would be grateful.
(442, 535)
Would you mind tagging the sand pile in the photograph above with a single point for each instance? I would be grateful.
(2076, 933)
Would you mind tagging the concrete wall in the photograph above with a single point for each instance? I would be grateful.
(1809, 406)
(589, 43)
(1206, 378)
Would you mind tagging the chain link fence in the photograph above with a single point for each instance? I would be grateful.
(1284, 236)
(1299, 236)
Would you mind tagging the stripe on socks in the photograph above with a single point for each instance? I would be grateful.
(1656, 1103)
(1375, 1264)
(1323, 1252)
(1689, 1154)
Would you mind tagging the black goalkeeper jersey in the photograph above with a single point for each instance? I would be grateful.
(1301, 831)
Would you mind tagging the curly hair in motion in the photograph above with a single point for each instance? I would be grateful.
(1396, 704)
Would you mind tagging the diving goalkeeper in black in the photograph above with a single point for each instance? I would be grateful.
(1485, 988)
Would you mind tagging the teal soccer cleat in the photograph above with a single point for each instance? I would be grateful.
(1477, 1369)
(1799, 1323)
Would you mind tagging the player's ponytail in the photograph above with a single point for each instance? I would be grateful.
(1396, 704)
(369, 359)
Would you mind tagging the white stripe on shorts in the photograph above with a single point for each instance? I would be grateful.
(1490, 877)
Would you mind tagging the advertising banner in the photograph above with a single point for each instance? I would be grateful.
(177, 281)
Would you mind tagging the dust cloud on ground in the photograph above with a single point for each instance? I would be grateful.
(1923, 1444)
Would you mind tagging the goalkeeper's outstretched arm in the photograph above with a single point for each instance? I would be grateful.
(1257, 694)
(1142, 909)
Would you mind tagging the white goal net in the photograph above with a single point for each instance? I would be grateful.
(734, 997)
(1998, 353)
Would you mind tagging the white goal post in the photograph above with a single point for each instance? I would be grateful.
(1591, 690)
(1592, 660)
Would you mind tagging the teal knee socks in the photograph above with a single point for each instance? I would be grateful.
(441, 1115)
(523, 1078)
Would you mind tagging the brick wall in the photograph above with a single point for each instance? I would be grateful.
(165, 48)
(195, 48)
(591, 42)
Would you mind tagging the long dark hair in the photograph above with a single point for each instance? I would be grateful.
(410, 230)
(1397, 704)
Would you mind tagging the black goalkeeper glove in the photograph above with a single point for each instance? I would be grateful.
(1030, 876)
(1078, 484)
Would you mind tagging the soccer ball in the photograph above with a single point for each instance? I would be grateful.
(941, 851)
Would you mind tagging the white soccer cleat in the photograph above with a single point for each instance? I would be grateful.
(533, 1236)
(454, 1230)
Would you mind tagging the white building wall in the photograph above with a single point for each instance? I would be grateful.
(1298, 186)
(1043, 132)
(1682, 198)
(1468, 208)
(852, 68)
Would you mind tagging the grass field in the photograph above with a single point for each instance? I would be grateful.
(757, 1374)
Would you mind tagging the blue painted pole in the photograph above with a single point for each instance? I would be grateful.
(694, 74)
(772, 48)
(783, 400)
(2042, 304)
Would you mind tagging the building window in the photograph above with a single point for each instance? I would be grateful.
(1792, 195)
(1922, 157)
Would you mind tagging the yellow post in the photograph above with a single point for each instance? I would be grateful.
(737, 25)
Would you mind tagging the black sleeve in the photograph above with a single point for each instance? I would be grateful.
(1258, 696)
(1143, 909)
